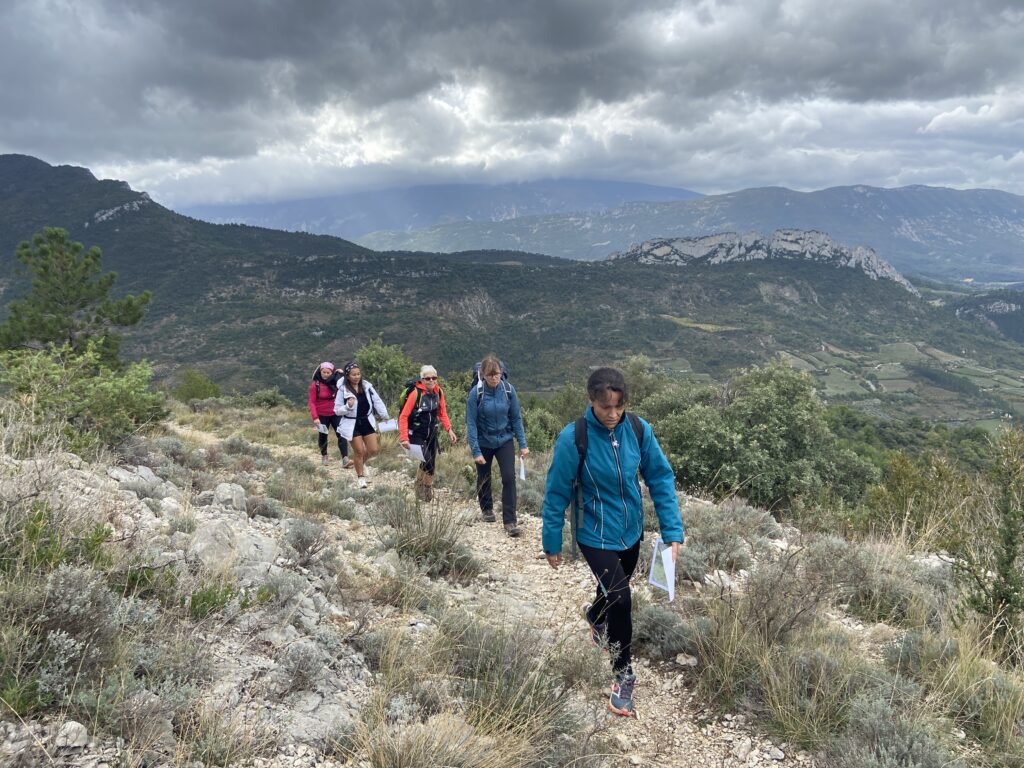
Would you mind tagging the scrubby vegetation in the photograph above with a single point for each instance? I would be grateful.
(856, 588)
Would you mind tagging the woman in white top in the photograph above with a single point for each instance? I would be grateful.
(356, 403)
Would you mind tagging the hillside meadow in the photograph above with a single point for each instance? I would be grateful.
(191, 586)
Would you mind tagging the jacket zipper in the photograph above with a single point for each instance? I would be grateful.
(622, 485)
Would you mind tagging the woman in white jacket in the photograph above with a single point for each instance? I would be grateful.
(356, 403)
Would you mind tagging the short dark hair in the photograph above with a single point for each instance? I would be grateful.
(605, 380)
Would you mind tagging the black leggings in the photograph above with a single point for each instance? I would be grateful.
(428, 443)
(506, 455)
(332, 423)
(614, 603)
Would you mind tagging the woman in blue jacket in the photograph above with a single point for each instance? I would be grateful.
(611, 524)
(492, 418)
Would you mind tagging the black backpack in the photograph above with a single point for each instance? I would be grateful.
(478, 381)
(581, 440)
(332, 382)
(410, 387)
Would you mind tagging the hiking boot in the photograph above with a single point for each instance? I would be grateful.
(428, 486)
(361, 482)
(598, 630)
(324, 460)
(489, 516)
(512, 531)
(621, 699)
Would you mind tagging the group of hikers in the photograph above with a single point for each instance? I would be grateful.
(597, 463)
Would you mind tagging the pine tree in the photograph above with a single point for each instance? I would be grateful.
(69, 302)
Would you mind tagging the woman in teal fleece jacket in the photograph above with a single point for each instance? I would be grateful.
(611, 528)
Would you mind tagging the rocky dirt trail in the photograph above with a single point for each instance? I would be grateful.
(674, 728)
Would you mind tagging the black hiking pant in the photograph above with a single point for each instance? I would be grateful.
(332, 423)
(614, 602)
(506, 455)
(428, 443)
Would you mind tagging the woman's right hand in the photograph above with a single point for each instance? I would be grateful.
(351, 402)
(554, 561)
(404, 444)
(479, 459)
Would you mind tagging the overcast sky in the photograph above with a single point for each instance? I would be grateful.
(242, 100)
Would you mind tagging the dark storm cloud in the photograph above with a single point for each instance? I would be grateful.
(417, 84)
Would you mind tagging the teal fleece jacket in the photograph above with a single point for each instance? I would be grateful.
(492, 423)
(612, 502)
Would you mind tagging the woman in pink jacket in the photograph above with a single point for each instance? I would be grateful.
(322, 391)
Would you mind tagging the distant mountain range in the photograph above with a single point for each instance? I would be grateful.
(948, 233)
(784, 244)
(258, 307)
(353, 215)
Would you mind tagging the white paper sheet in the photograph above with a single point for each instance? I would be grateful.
(522, 468)
(663, 569)
(670, 572)
(391, 425)
(415, 452)
(322, 428)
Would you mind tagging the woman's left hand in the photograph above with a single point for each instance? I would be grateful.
(524, 452)
(675, 550)
(452, 436)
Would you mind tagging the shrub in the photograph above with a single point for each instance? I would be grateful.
(302, 666)
(195, 385)
(917, 499)
(265, 399)
(781, 598)
(988, 547)
(876, 736)
(503, 686)
(95, 405)
(725, 537)
(265, 507)
(172, 447)
(238, 446)
(388, 367)
(808, 691)
(220, 738)
(78, 603)
(541, 427)
(308, 539)
(282, 586)
(37, 537)
(429, 536)
(983, 698)
(210, 599)
(660, 633)
(408, 588)
(764, 436)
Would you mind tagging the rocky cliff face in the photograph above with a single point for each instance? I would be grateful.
(791, 244)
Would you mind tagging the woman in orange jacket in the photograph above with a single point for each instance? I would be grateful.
(423, 411)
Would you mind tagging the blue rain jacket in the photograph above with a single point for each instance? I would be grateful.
(612, 502)
(493, 422)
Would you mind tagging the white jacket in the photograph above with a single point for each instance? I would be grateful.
(348, 415)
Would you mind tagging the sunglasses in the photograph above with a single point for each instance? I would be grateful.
(429, 378)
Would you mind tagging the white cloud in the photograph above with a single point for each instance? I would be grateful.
(197, 101)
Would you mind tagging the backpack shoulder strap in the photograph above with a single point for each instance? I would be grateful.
(580, 438)
(581, 444)
(638, 429)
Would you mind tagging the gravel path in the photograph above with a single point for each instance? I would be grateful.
(674, 728)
